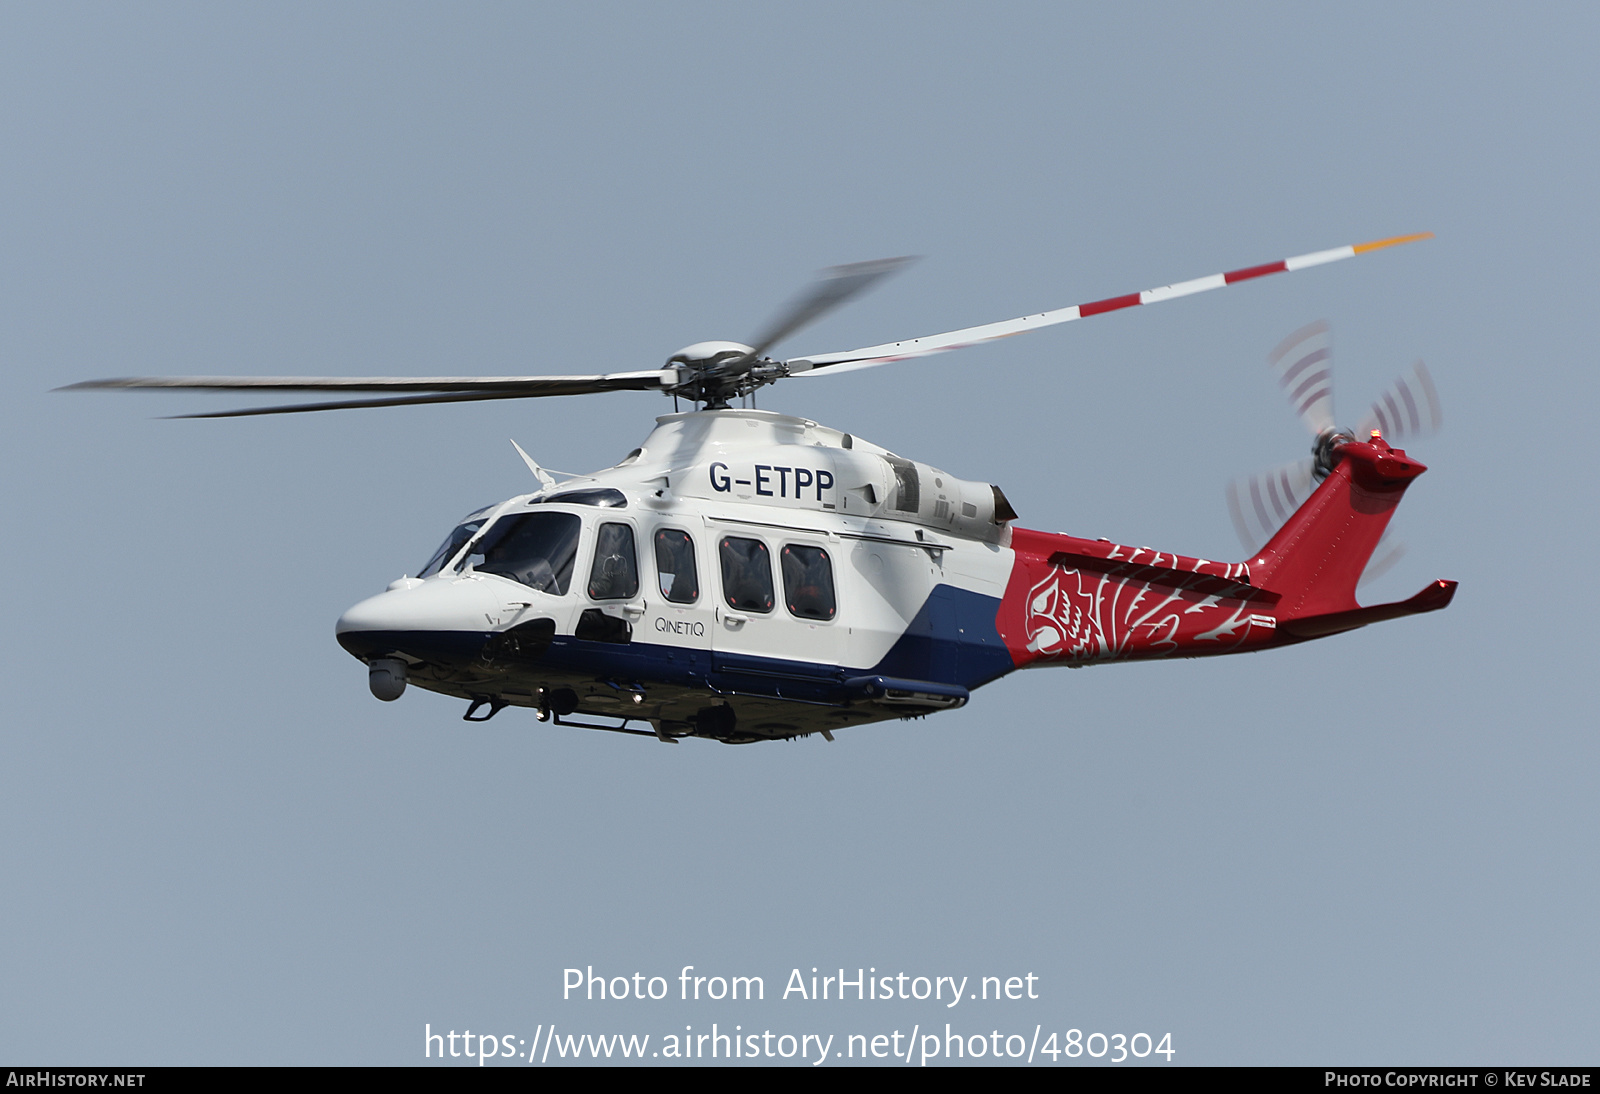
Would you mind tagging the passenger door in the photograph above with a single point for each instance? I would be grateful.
(680, 614)
(615, 593)
(756, 614)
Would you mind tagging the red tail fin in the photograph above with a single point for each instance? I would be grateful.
(1315, 560)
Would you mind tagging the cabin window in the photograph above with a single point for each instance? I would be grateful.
(746, 574)
(808, 582)
(615, 573)
(537, 549)
(680, 582)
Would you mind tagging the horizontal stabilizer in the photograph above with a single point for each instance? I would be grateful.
(1221, 579)
(1436, 595)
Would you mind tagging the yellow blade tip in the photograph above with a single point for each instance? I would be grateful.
(1378, 245)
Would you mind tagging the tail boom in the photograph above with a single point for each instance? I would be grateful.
(1078, 601)
(1074, 601)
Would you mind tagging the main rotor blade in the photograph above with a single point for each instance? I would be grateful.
(1409, 409)
(1304, 364)
(532, 385)
(836, 285)
(850, 360)
(438, 389)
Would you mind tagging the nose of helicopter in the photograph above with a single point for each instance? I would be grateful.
(439, 621)
(372, 626)
(408, 613)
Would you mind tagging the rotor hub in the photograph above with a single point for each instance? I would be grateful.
(709, 354)
(714, 372)
(1325, 451)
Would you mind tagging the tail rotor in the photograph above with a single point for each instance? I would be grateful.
(1408, 410)
(1303, 364)
(1262, 503)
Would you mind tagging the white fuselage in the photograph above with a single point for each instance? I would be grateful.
(905, 548)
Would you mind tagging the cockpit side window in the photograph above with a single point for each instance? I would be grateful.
(680, 582)
(537, 549)
(746, 574)
(453, 543)
(615, 573)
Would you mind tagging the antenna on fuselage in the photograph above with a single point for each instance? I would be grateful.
(538, 472)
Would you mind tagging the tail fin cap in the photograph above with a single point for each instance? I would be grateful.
(1377, 466)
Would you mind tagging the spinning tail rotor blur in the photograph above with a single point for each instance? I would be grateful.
(1408, 409)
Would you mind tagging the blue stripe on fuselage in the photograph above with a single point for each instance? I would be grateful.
(952, 640)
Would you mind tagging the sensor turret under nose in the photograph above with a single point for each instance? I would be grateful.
(387, 678)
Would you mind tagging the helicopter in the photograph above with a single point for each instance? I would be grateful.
(745, 575)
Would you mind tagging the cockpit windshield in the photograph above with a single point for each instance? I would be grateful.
(537, 549)
(456, 540)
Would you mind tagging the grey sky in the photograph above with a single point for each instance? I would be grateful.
(218, 848)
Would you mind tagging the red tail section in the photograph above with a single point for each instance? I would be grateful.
(1073, 601)
(1076, 601)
